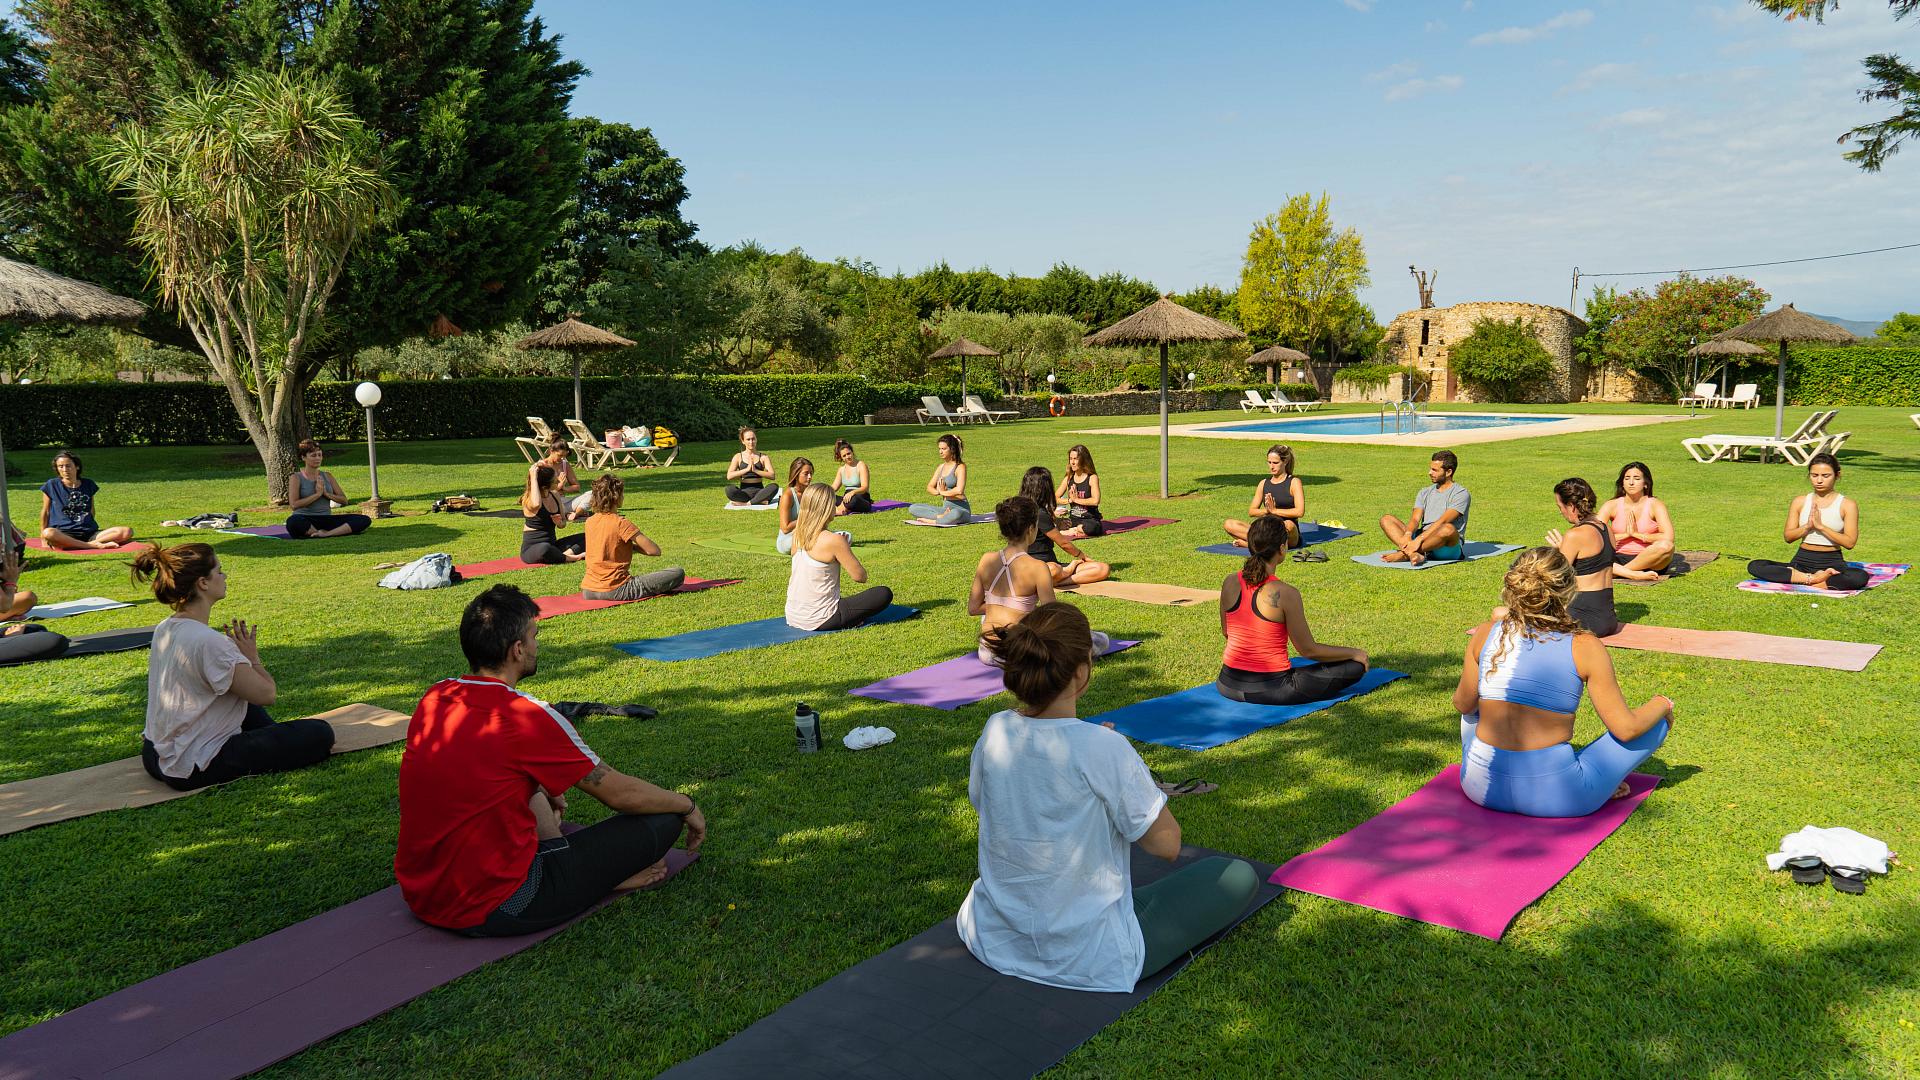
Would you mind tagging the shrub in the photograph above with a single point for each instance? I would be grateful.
(1372, 376)
(681, 404)
(1502, 357)
(1849, 375)
(1144, 377)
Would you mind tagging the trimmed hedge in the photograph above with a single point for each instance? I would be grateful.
(1849, 375)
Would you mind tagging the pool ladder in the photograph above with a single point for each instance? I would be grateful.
(1400, 409)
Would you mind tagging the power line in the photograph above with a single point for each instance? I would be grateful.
(1749, 266)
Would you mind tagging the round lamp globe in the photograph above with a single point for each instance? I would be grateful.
(367, 394)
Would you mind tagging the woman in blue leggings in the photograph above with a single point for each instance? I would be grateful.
(1520, 686)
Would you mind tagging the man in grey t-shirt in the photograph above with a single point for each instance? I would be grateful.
(1438, 529)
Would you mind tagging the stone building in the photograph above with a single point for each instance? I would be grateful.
(1420, 339)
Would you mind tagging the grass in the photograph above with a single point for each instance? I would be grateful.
(1669, 951)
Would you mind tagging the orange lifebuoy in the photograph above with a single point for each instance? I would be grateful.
(1057, 406)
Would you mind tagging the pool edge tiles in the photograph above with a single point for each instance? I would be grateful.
(1364, 424)
(1531, 426)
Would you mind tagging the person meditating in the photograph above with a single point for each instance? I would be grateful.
(750, 470)
(22, 642)
(1280, 496)
(949, 483)
(544, 516)
(566, 481)
(1519, 689)
(1010, 583)
(483, 784)
(13, 545)
(1261, 617)
(855, 483)
(207, 688)
(1588, 545)
(67, 508)
(1438, 528)
(1826, 523)
(1037, 485)
(1079, 493)
(1642, 530)
(312, 492)
(819, 554)
(1060, 800)
(612, 541)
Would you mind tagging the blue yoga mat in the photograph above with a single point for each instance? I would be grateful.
(1475, 550)
(1310, 534)
(699, 644)
(1200, 719)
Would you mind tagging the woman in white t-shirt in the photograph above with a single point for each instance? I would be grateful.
(207, 689)
(1060, 802)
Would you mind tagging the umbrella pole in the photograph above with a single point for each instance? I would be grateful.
(1163, 419)
(578, 413)
(6, 516)
(1780, 392)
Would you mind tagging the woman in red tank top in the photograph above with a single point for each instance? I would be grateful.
(1261, 617)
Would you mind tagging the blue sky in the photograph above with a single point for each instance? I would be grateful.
(1502, 144)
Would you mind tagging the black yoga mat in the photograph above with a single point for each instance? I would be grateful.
(494, 513)
(927, 1008)
(104, 641)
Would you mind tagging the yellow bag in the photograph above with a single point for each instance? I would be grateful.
(665, 438)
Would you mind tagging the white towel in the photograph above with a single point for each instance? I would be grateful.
(866, 738)
(1835, 847)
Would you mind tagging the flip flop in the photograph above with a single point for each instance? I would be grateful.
(1807, 869)
(1309, 555)
(1195, 786)
(1848, 879)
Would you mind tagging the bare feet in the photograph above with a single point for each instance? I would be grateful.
(1394, 556)
(1636, 575)
(1417, 558)
(652, 875)
(1622, 791)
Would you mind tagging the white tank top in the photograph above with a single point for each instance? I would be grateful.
(1830, 518)
(813, 591)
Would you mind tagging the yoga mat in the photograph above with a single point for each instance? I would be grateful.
(495, 513)
(927, 1008)
(105, 641)
(73, 607)
(501, 566)
(700, 644)
(1310, 534)
(1144, 592)
(1200, 719)
(976, 519)
(744, 545)
(774, 505)
(1475, 550)
(1741, 645)
(1438, 857)
(568, 603)
(950, 684)
(123, 784)
(1684, 562)
(881, 505)
(241, 1010)
(127, 548)
(1119, 525)
(1878, 573)
(271, 532)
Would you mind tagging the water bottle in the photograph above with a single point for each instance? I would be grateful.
(806, 729)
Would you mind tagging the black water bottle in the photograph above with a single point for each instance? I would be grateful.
(806, 728)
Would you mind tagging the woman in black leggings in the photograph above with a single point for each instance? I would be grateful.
(23, 642)
(750, 470)
(1261, 617)
(1826, 523)
(539, 540)
(1588, 545)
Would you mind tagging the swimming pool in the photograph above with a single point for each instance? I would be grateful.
(1370, 424)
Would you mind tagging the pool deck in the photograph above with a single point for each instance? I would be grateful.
(1568, 426)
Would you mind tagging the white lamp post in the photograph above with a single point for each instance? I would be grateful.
(368, 395)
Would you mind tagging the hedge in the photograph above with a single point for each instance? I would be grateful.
(1848, 375)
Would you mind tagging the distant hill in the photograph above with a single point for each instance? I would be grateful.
(1856, 327)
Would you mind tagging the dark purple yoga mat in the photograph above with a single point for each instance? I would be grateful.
(240, 1011)
(886, 504)
(950, 684)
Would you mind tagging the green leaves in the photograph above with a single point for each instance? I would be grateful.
(1301, 277)
(1502, 356)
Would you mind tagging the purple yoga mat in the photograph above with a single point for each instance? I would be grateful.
(1438, 857)
(886, 504)
(950, 684)
(240, 1011)
(275, 532)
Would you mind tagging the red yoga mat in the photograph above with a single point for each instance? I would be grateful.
(240, 1011)
(499, 566)
(127, 548)
(1118, 525)
(551, 606)
(1438, 857)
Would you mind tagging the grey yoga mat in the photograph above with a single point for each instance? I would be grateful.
(105, 641)
(927, 1008)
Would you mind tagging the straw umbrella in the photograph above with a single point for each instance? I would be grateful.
(1783, 325)
(1162, 323)
(963, 348)
(575, 337)
(29, 294)
(1729, 348)
(1273, 356)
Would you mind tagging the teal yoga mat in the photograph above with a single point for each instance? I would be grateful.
(1475, 550)
(700, 644)
(1200, 719)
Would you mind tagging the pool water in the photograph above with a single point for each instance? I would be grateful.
(1370, 424)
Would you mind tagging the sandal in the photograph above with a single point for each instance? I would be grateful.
(1195, 786)
(1848, 879)
(1807, 869)
(1309, 555)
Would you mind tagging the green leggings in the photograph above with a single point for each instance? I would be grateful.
(1190, 905)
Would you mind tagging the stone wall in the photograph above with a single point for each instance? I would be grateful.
(1421, 339)
(1111, 403)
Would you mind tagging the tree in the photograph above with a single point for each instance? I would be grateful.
(1903, 330)
(1889, 79)
(1212, 301)
(629, 192)
(1653, 331)
(248, 197)
(22, 66)
(1300, 277)
(879, 332)
(1502, 357)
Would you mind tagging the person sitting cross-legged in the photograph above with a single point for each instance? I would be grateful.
(483, 784)
(1438, 528)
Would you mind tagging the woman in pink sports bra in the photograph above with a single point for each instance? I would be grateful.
(1009, 583)
(1642, 530)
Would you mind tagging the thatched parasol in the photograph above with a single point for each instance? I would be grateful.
(1783, 325)
(1162, 323)
(575, 337)
(1275, 355)
(29, 294)
(1726, 350)
(962, 348)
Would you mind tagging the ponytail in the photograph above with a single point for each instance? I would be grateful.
(1266, 543)
(175, 572)
(1042, 653)
(1578, 494)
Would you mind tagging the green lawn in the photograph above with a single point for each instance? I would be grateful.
(1669, 951)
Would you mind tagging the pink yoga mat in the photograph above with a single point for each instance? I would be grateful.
(127, 548)
(1743, 645)
(1438, 857)
(500, 566)
(240, 1011)
(569, 603)
(950, 684)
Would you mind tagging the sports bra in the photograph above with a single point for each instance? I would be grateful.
(1830, 518)
(1537, 672)
(753, 479)
(1593, 564)
(951, 479)
(1625, 520)
(1282, 492)
(1254, 642)
(849, 476)
(539, 524)
(1022, 604)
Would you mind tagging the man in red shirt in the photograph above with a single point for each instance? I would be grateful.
(482, 788)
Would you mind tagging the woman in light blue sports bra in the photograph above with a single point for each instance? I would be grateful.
(855, 482)
(950, 483)
(1519, 689)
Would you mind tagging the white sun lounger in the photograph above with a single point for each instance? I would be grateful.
(1808, 439)
(973, 406)
(935, 409)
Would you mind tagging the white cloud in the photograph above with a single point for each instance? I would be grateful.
(1403, 69)
(1524, 35)
(1435, 26)
(1361, 6)
(1414, 88)
(1596, 76)
(1633, 118)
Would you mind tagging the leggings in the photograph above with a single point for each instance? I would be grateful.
(641, 586)
(858, 502)
(1182, 910)
(1089, 524)
(759, 496)
(301, 526)
(1807, 561)
(858, 608)
(1556, 781)
(553, 552)
(578, 869)
(952, 512)
(1294, 686)
(32, 642)
(1593, 609)
(260, 746)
